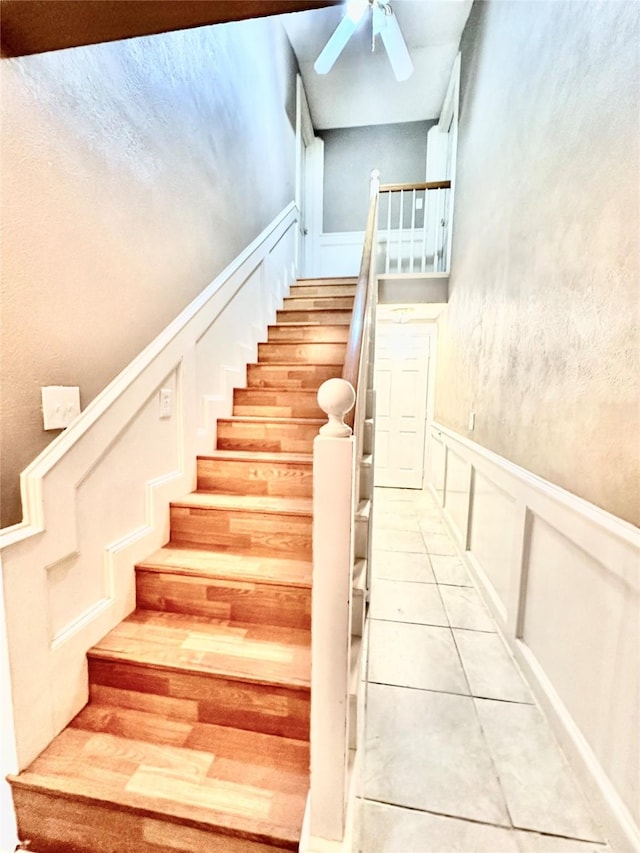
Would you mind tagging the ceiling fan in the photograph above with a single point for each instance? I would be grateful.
(383, 23)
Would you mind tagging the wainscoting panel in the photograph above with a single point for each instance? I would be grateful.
(562, 578)
(581, 624)
(340, 253)
(491, 536)
(458, 495)
(96, 500)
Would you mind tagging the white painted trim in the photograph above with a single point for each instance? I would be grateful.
(449, 121)
(598, 535)
(339, 253)
(314, 190)
(67, 569)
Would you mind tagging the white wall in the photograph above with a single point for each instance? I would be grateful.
(399, 151)
(563, 580)
(132, 173)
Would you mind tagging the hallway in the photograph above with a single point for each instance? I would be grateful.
(457, 757)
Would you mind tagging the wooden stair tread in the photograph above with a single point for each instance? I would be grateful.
(193, 561)
(349, 279)
(259, 456)
(247, 503)
(235, 651)
(257, 419)
(289, 315)
(191, 785)
(336, 329)
(293, 365)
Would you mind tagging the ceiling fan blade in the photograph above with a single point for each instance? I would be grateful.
(341, 35)
(395, 46)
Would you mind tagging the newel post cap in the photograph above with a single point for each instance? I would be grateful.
(336, 397)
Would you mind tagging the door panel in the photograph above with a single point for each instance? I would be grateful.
(401, 375)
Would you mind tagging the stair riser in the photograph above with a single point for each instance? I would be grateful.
(57, 824)
(190, 696)
(311, 290)
(273, 437)
(269, 479)
(293, 353)
(237, 601)
(258, 533)
(276, 404)
(311, 334)
(342, 317)
(323, 303)
(288, 376)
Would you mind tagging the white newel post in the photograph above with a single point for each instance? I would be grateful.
(374, 183)
(334, 451)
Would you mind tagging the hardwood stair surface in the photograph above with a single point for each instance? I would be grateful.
(195, 738)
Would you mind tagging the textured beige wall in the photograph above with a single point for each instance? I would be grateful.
(132, 173)
(540, 337)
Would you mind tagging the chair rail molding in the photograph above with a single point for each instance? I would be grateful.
(562, 577)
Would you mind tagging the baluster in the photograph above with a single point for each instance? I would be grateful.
(400, 224)
(432, 236)
(423, 262)
(388, 247)
(413, 228)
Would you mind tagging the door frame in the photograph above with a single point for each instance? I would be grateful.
(305, 139)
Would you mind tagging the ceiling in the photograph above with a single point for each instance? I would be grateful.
(37, 26)
(361, 89)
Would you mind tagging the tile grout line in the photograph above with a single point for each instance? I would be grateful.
(476, 822)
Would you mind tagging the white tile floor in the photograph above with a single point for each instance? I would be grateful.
(458, 757)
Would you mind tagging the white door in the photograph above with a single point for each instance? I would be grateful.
(401, 383)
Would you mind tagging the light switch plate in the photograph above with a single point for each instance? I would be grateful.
(60, 405)
(166, 402)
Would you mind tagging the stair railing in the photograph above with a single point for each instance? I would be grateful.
(342, 511)
(414, 236)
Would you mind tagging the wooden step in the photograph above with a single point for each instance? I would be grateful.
(290, 375)
(309, 332)
(289, 353)
(241, 567)
(274, 435)
(253, 473)
(313, 282)
(317, 315)
(318, 303)
(276, 402)
(121, 780)
(307, 290)
(243, 524)
(187, 667)
(264, 591)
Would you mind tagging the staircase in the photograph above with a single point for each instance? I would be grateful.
(196, 735)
